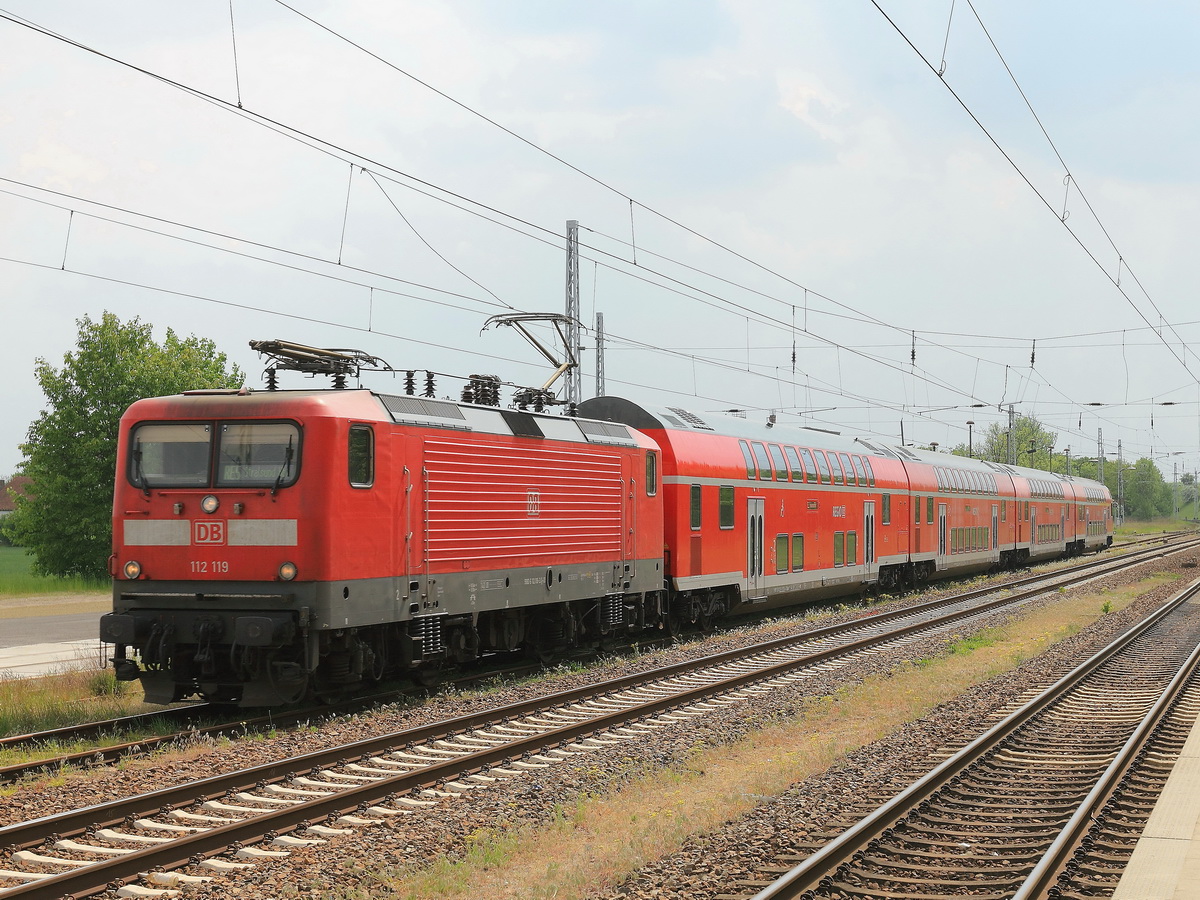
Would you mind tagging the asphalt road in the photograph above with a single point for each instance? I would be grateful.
(49, 629)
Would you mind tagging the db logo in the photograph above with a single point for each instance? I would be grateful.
(208, 532)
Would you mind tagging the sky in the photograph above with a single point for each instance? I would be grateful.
(783, 206)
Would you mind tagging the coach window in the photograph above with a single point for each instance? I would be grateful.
(929, 509)
(797, 552)
(860, 471)
(852, 548)
(651, 474)
(885, 512)
(837, 468)
(696, 507)
(794, 462)
(848, 467)
(870, 472)
(781, 469)
(839, 548)
(749, 459)
(810, 467)
(916, 510)
(823, 466)
(725, 505)
(764, 464)
(362, 456)
(781, 553)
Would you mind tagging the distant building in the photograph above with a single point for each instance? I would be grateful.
(18, 484)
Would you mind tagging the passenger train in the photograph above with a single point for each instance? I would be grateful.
(270, 545)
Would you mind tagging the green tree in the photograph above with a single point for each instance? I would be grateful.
(992, 444)
(1147, 494)
(71, 448)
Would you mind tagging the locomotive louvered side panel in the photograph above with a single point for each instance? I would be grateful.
(490, 503)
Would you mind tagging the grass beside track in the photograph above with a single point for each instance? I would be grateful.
(598, 842)
(17, 579)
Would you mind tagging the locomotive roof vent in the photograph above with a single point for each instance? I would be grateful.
(335, 363)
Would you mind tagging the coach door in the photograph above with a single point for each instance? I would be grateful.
(869, 539)
(755, 588)
(941, 535)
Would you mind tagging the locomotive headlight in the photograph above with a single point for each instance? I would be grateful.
(287, 571)
(132, 569)
(210, 503)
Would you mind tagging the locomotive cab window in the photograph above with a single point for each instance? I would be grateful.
(651, 474)
(361, 456)
(258, 454)
(170, 455)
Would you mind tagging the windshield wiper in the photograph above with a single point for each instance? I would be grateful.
(286, 468)
(139, 475)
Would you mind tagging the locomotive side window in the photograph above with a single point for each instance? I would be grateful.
(781, 553)
(651, 474)
(170, 455)
(797, 552)
(725, 505)
(261, 454)
(810, 467)
(750, 467)
(695, 510)
(764, 464)
(361, 455)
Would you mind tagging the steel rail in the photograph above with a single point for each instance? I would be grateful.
(30, 833)
(811, 873)
(84, 881)
(113, 752)
(1059, 854)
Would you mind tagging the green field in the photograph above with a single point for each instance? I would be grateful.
(17, 581)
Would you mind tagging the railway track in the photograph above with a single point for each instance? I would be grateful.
(1049, 800)
(197, 720)
(214, 826)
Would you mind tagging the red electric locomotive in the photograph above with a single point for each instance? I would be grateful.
(272, 544)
